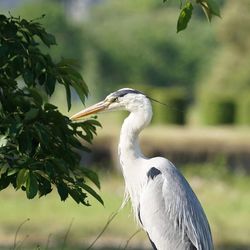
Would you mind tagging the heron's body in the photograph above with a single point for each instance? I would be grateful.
(163, 202)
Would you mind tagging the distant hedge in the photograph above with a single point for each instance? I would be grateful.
(243, 109)
(176, 106)
(218, 109)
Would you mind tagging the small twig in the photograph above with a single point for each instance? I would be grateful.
(110, 219)
(67, 234)
(130, 238)
(48, 241)
(38, 18)
(21, 243)
(17, 231)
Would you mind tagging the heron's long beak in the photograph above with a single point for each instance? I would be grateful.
(100, 106)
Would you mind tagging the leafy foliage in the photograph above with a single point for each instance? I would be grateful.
(185, 16)
(210, 8)
(145, 48)
(39, 144)
(56, 18)
(229, 72)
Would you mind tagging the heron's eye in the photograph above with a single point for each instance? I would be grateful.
(115, 99)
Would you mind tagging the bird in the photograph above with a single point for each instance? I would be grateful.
(163, 202)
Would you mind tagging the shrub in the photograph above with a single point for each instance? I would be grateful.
(176, 101)
(243, 109)
(218, 109)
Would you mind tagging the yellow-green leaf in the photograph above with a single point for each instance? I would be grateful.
(21, 177)
(184, 16)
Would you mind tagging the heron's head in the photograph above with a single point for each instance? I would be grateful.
(122, 99)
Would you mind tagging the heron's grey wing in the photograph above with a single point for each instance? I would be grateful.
(171, 213)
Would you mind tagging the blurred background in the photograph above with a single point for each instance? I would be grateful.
(203, 76)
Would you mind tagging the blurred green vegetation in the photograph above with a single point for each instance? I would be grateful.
(69, 35)
(225, 198)
(229, 74)
(218, 108)
(175, 112)
(243, 115)
(134, 43)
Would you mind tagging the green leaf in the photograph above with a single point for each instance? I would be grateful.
(49, 106)
(207, 12)
(68, 75)
(92, 192)
(42, 134)
(4, 182)
(210, 8)
(3, 169)
(3, 18)
(31, 185)
(91, 175)
(28, 77)
(185, 16)
(60, 165)
(12, 171)
(74, 142)
(44, 186)
(31, 114)
(62, 191)
(36, 96)
(80, 87)
(21, 177)
(24, 142)
(75, 195)
(214, 7)
(3, 51)
(68, 95)
(47, 38)
(50, 84)
(94, 122)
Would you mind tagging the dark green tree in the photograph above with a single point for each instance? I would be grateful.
(38, 144)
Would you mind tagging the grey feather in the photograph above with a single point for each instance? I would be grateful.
(178, 218)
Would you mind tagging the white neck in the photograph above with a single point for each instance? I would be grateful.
(129, 148)
(130, 154)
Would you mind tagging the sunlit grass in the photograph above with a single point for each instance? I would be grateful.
(225, 198)
(50, 216)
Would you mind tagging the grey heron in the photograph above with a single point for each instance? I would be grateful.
(163, 202)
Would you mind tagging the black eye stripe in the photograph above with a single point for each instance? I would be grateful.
(121, 93)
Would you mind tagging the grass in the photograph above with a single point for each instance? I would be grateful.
(225, 198)
(65, 225)
(49, 216)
